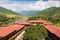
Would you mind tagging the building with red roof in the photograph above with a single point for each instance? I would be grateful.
(6, 32)
(37, 21)
(47, 23)
(25, 23)
(53, 29)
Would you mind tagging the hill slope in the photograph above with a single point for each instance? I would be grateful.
(6, 11)
(8, 16)
(50, 14)
(28, 13)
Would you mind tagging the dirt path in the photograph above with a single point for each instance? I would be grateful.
(20, 36)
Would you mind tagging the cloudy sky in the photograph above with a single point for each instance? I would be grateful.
(26, 5)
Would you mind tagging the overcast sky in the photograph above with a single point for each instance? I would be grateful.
(26, 5)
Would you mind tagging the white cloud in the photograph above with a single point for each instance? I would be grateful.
(53, 3)
(39, 5)
(2, 1)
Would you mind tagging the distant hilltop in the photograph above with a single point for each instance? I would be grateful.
(7, 11)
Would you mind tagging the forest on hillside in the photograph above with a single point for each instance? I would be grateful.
(8, 16)
(50, 14)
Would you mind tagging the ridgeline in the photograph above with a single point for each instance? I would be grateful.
(50, 14)
(8, 16)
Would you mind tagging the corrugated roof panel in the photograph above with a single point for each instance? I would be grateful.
(4, 31)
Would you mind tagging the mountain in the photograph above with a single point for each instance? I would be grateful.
(51, 14)
(8, 16)
(50, 11)
(7, 11)
(29, 13)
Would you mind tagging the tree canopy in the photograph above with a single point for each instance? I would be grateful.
(37, 32)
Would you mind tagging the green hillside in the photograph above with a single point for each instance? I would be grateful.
(50, 14)
(7, 11)
(8, 16)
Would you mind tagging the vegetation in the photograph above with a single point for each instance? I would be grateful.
(50, 14)
(58, 25)
(7, 11)
(37, 32)
(3, 18)
(8, 16)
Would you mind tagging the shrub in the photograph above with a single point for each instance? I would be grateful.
(3, 18)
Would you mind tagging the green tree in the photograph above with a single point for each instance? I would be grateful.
(3, 18)
(37, 32)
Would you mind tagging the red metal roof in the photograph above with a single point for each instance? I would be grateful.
(23, 23)
(53, 29)
(4, 31)
(9, 29)
(37, 21)
(48, 23)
